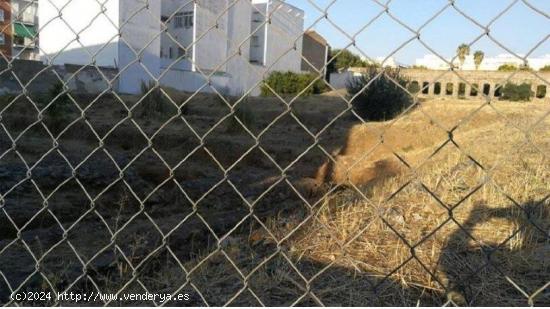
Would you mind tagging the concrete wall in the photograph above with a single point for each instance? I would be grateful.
(341, 80)
(139, 49)
(39, 78)
(315, 53)
(284, 37)
(176, 37)
(210, 49)
(241, 72)
(97, 40)
(193, 81)
(258, 32)
(433, 62)
(485, 80)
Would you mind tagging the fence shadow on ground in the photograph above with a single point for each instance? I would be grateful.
(138, 255)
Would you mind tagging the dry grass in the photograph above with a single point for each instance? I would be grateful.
(372, 226)
(447, 228)
(352, 247)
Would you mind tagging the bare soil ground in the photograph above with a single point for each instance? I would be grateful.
(306, 206)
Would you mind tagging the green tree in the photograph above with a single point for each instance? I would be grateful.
(344, 59)
(462, 51)
(516, 93)
(545, 68)
(508, 67)
(384, 99)
(419, 67)
(478, 58)
(291, 83)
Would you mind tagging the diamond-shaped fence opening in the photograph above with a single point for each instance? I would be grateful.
(274, 152)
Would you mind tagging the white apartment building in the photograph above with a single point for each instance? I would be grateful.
(176, 41)
(489, 63)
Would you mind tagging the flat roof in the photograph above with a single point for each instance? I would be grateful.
(317, 37)
(283, 2)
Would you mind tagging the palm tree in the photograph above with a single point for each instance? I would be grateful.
(463, 50)
(478, 58)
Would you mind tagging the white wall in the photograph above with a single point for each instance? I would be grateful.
(58, 41)
(283, 34)
(178, 36)
(258, 29)
(210, 50)
(340, 80)
(193, 81)
(140, 30)
(243, 74)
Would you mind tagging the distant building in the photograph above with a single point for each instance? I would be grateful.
(433, 62)
(389, 62)
(5, 29)
(315, 52)
(229, 41)
(18, 25)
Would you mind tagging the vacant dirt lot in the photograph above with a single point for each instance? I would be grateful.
(306, 205)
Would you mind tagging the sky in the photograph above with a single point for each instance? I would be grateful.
(520, 29)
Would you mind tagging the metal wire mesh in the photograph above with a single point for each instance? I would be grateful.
(208, 193)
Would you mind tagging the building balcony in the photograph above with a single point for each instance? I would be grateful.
(29, 46)
(27, 20)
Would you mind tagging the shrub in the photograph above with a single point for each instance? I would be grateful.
(243, 113)
(61, 101)
(153, 101)
(513, 67)
(344, 59)
(383, 99)
(545, 68)
(290, 83)
(514, 92)
(178, 97)
(419, 67)
(57, 114)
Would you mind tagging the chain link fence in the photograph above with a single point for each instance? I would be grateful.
(153, 157)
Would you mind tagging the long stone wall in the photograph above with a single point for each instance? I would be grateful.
(39, 78)
(433, 84)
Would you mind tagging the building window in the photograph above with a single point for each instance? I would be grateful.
(170, 53)
(425, 88)
(2, 39)
(178, 21)
(183, 20)
(414, 87)
(188, 19)
(255, 41)
(541, 92)
(449, 89)
(461, 89)
(498, 90)
(256, 17)
(437, 88)
(486, 89)
(474, 90)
